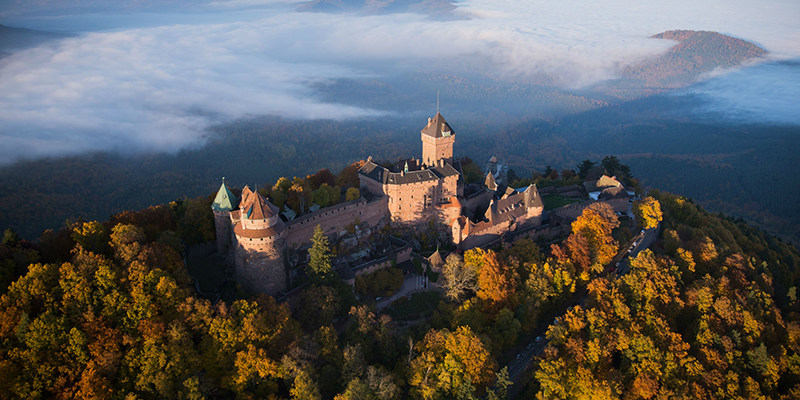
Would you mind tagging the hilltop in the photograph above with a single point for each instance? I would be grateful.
(13, 39)
(697, 53)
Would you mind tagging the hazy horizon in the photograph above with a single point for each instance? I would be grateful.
(146, 80)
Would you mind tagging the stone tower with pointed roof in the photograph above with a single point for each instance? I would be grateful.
(259, 238)
(437, 142)
(224, 203)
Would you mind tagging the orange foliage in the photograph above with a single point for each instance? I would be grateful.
(496, 282)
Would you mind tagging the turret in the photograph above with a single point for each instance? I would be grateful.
(260, 245)
(224, 203)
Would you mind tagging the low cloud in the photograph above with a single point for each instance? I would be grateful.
(156, 89)
(763, 94)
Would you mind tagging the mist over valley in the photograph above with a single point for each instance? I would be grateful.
(131, 105)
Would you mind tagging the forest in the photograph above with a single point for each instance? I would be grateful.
(107, 310)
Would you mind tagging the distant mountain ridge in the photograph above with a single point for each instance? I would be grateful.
(697, 53)
(12, 39)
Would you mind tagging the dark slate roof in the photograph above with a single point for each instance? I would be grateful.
(514, 206)
(618, 192)
(378, 173)
(532, 198)
(407, 265)
(438, 127)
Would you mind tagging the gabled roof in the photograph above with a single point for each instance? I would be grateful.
(246, 197)
(438, 127)
(225, 200)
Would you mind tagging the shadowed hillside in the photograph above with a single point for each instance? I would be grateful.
(697, 53)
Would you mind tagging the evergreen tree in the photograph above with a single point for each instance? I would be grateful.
(584, 167)
(319, 269)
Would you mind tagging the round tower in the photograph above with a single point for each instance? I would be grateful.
(224, 203)
(260, 246)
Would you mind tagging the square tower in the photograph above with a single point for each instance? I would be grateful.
(437, 141)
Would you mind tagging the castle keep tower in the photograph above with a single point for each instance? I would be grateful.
(224, 203)
(437, 141)
(260, 243)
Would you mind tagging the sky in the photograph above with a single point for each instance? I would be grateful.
(138, 81)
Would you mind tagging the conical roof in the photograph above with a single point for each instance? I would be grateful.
(489, 182)
(259, 208)
(438, 127)
(225, 200)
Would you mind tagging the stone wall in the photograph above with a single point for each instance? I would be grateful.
(413, 203)
(572, 211)
(544, 232)
(478, 201)
(222, 224)
(335, 218)
(485, 236)
(260, 264)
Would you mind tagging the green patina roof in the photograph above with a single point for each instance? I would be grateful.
(225, 200)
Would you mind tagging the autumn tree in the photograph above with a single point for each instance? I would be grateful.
(496, 283)
(595, 247)
(352, 194)
(449, 364)
(318, 306)
(322, 177)
(458, 278)
(648, 212)
(300, 196)
(92, 236)
(348, 177)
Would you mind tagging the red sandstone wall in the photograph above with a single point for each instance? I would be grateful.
(335, 218)
(260, 265)
(572, 211)
(485, 236)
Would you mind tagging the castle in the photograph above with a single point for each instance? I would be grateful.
(410, 192)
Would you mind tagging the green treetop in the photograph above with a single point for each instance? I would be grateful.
(319, 269)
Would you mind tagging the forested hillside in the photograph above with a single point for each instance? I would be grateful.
(107, 310)
(711, 314)
(697, 53)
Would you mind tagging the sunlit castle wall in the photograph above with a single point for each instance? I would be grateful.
(260, 253)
